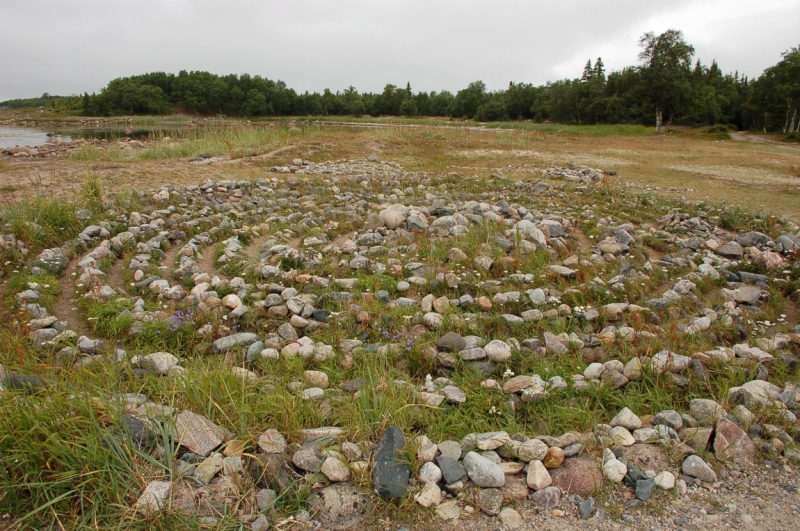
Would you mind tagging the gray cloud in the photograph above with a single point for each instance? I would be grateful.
(76, 46)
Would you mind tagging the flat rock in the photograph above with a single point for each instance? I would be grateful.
(197, 434)
(209, 468)
(627, 419)
(694, 466)
(265, 498)
(491, 440)
(518, 383)
(271, 470)
(746, 294)
(754, 393)
(430, 495)
(554, 344)
(451, 342)
(482, 472)
(668, 417)
(451, 469)
(538, 476)
(241, 339)
(530, 450)
(731, 250)
(706, 411)
(666, 361)
(450, 449)
(154, 498)
(547, 498)
(510, 518)
(449, 510)
(390, 474)
(340, 506)
(563, 271)
(490, 501)
(646, 456)
(644, 489)
(498, 351)
(586, 508)
(516, 488)
(731, 443)
(309, 459)
(580, 475)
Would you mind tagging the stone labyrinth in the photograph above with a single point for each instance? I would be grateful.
(488, 302)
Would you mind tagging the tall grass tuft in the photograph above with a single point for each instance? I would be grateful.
(237, 141)
(41, 222)
(70, 468)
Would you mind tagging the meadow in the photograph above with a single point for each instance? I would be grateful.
(205, 232)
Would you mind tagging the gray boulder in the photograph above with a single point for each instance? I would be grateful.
(482, 472)
(390, 474)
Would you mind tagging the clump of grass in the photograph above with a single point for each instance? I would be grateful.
(42, 222)
(48, 288)
(234, 140)
(93, 192)
(71, 470)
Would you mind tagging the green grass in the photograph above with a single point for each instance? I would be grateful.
(42, 222)
(64, 458)
(235, 141)
(547, 128)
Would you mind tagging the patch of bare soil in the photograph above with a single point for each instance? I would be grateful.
(761, 139)
(252, 250)
(340, 239)
(744, 137)
(262, 156)
(738, 174)
(4, 311)
(116, 278)
(65, 305)
(790, 313)
(170, 255)
(654, 254)
(206, 262)
(584, 243)
(294, 243)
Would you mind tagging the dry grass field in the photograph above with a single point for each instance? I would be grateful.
(241, 350)
(751, 171)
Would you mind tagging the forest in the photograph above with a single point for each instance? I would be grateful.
(667, 87)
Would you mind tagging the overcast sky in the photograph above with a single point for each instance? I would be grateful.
(68, 47)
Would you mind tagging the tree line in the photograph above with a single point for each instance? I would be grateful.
(666, 87)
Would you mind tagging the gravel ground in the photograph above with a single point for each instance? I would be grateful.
(765, 498)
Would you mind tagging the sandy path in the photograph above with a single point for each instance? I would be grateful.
(116, 277)
(584, 243)
(65, 305)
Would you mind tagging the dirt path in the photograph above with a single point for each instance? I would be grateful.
(65, 305)
(340, 239)
(169, 256)
(252, 251)
(262, 156)
(116, 277)
(761, 139)
(761, 499)
(5, 311)
(653, 254)
(792, 312)
(206, 262)
(584, 243)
